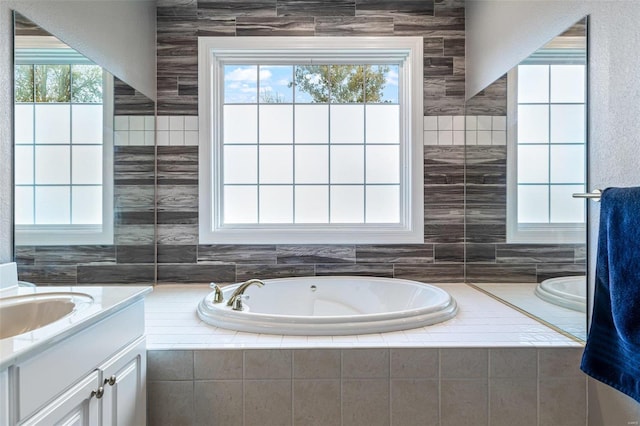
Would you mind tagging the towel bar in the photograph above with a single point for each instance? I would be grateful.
(594, 195)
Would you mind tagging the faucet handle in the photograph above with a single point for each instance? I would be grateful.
(237, 304)
(217, 293)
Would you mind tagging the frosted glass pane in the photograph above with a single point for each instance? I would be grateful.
(276, 84)
(567, 83)
(24, 165)
(240, 84)
(86, 205)
(347, 124)
(312, 123)
(240, 164)
(86, 123)
(533, 84)
(565, 208)
(383, 204)
(567, 123)
(53, 205)
(347, 204)
(533, 124)
(86, 164)
(347, 164)
(533, 164)
(24, 205)
(533, 204)
(312, 204)
(53, 124)
(276, 204)
(53, 165)
(240, 204)
(276, 124)
(383, 123)
(240, 124)
(23, 123)
(276, 164)
(312, 164)
(567, 164)
(383, 164)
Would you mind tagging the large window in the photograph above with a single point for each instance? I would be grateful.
(310, 140)
(63, 191)
(547, 149)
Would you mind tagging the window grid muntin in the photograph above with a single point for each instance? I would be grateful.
(329, 143)
(549, 184)
(70, 144)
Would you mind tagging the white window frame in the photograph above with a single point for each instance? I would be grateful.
(215, 51)
(536, 233)
(47, 235)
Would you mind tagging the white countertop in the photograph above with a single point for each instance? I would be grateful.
(172, 323)
(106, 300)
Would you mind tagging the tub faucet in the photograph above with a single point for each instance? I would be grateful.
(240, 291)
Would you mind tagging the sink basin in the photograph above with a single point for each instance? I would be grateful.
(21, 314)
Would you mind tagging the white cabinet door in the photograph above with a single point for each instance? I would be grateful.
(124, 381)
(75, 407)
(4, 397)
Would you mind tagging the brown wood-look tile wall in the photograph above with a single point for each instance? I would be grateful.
(128, 101)
(440, 22)
(179, 249)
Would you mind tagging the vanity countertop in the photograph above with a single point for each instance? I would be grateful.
(106, 301)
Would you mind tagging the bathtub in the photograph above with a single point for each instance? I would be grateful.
(568, 292)
(331, 306)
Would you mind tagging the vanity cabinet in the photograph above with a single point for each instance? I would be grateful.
(96, 376)
(124, 383)
(110, 395)
(78, 406)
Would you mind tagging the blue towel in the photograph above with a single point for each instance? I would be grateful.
(612, 352)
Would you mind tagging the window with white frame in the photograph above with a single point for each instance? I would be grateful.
(63, 171)
(310, 140)
(547, 142)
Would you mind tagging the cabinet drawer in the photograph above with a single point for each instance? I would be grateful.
(56, 369)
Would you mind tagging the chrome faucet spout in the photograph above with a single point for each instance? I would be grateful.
(241, 288)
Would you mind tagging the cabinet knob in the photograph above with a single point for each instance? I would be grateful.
(98, 393)
(111, 380)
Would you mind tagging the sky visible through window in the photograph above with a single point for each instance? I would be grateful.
(275, 83)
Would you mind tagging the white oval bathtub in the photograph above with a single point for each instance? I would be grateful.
(568, 292)
(331, 306)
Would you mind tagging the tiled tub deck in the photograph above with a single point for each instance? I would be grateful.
(491, 365)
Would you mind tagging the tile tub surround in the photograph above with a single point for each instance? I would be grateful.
(172, 323)
(181, 258)
(517, 372)
(571, 321)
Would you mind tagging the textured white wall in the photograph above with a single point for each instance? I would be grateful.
(522, 26)
(119, 35)
(6, 140)
(502, 33)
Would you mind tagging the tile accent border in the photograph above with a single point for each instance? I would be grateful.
(134, 130)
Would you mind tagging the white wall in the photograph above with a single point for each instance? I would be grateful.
(502, 33)
(118, 35)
